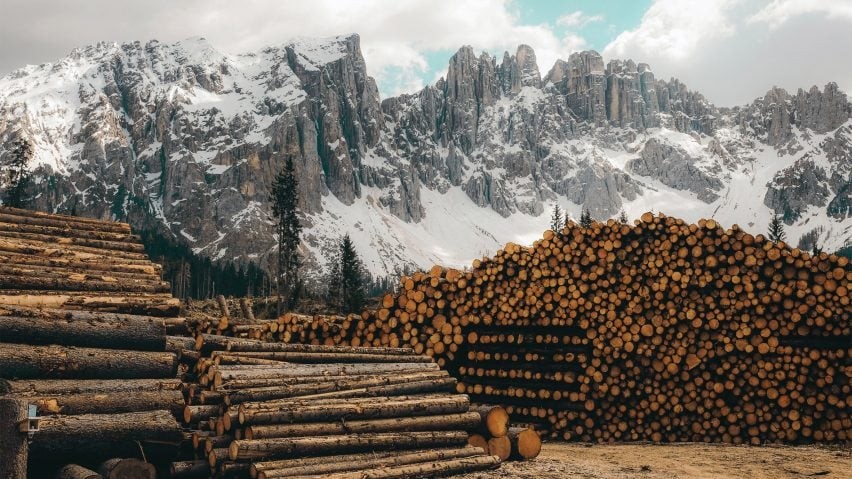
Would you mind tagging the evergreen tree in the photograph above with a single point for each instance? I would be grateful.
(556, 219)
(622, 218)
(333, 280)
(285, 200)
(816, 251)
(586, 219)
(351, 278)
(16, 175)
(776, 229)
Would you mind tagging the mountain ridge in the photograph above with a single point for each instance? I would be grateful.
(193, 138)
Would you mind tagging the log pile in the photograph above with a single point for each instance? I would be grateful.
(84, 340)
(65, 262)
(271, 410)
(660, 330)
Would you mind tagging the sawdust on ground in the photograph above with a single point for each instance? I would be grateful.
(679, 461)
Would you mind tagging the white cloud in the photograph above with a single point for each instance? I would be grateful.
(675, 28)
(733, 51)
(578, 19)
(780, 11)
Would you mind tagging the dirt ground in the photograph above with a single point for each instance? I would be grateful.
(680, 461)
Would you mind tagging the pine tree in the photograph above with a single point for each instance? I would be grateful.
(776, 229)
(351, 278)
(816, 250)
(556, 219)
(586, 219)
(285, 200)
(622, 218)
(16, 175)
(333, 280)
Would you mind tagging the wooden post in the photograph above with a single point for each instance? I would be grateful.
(13, 443)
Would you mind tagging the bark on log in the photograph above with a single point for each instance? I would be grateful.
(199, 469)
(73, 471)
(222, 374)
(70, 328)
(118, 468)
(280, 447)
(29, 217)
(103, 436)
(247, 384)
(73, 284)
(333, 464)
(194, 414)
(87, 263)
(41, 387)
(376, 409)
(13, 443)
(334, 357)
(211, 342)
(438, 468)
(26, 362)
(130, 303)
(460, 421)
(356, 386)
(110, 402)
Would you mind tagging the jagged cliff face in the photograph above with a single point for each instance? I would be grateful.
(186, 139)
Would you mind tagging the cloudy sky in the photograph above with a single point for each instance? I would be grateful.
(731, 50)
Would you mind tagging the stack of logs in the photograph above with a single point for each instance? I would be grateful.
(498, 439)
(84, 319)
(273, 410)
(64, 262)
(660, 330)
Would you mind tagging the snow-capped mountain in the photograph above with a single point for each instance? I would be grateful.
(188, 139)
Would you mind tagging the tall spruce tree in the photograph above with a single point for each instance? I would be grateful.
(557, 222)
(586, 219)
(285, 202)
(333, 280)
(622, 217)
(776, 229)
(17, 177)
(351, 278)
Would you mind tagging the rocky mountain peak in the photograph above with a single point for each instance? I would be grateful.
(186, 139)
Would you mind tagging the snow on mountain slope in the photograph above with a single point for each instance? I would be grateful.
(186, 139)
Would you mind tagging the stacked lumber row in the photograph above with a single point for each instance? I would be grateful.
(660, 330)
(103, 383)
(495, 437)
(68, 262)
(271, 410)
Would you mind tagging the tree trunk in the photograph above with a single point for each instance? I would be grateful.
(500, 447)
(41, 387)
(71, 328)
(444, 467)
(72, 283)
(73, 471)
(13, 443)
(225, 373)
(375, 409)
(281, 447)
(112, 402)
(129, 303)
(103, 436)
(332, 464)
(199, 469)
(526, 443)
(212, 342)
(458, 422)
(29, 217)
(24, 361)
(117, 468)
(355, 384)
(336, 357)
(494, 420)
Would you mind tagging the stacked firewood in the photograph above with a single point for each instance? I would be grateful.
(272, 410)
(103, 385)
(495, 437)
(65, 262)
(660, 330)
